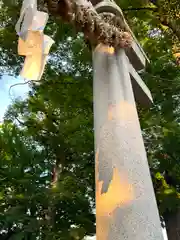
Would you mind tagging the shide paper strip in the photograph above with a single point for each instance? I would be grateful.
(34, 21)
(34, 64)
(39, 21)
(32, 67)
(32, 45)
(47, 43)
(36, 39)
(28, 10)
(32, 42)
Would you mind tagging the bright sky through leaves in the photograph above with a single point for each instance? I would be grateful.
(7, 96)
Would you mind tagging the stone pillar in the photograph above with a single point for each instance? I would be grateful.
(126, 208)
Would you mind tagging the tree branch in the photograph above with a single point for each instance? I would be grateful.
(172, 24)
(140, 9)
(167, 21)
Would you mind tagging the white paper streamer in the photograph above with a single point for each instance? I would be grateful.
(34, 64)
(28, 10)
(48, 42)
(39, 21)
(32, 42)
(34, 67)
(32, 45)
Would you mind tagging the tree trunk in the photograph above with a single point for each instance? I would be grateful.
(173, 225)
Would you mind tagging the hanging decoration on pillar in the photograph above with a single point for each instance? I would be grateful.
(33, 43)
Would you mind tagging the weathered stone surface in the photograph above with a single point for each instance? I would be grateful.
(126, 208)
(142, 93)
